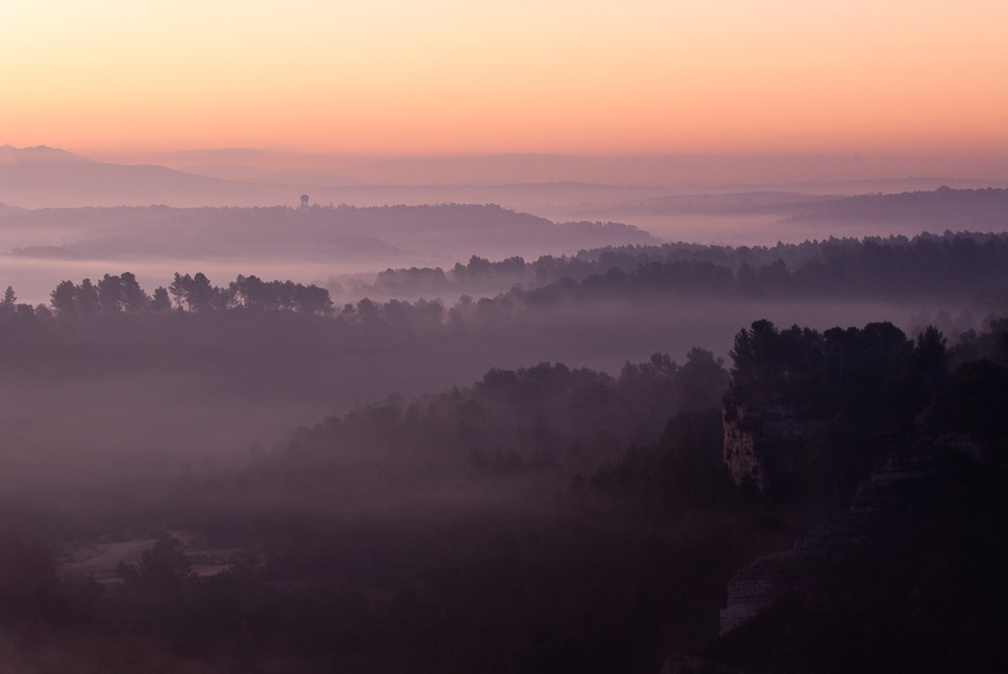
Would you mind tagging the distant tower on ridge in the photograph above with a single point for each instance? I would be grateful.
(304, 201)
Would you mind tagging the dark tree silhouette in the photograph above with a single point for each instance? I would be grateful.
(86, 298)
(131, 295)
(160, 302)
(63, 298)
(110, 294)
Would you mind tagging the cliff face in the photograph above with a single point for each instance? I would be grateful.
(885, 506)
(754, 588)
(739, 452)
(761, 442)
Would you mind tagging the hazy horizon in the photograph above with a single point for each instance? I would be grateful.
(676, 206)
(838, 171)
(500, 336)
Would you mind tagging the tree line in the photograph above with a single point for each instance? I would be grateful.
(962, 264)
(345, 567)
(121, 294)
(964, 267)
(547, 419)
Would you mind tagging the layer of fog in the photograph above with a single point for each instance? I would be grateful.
(658, 194)
(304, 244)
(33, 279)
(117, 422)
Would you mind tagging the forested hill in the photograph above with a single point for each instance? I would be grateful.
(344, 233)
(448, 533)
(943, 208)
(965, 265)
(964, 270)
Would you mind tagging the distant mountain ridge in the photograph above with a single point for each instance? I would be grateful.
(947, 208)
(946, 202)
(45, 177)
(42, 176)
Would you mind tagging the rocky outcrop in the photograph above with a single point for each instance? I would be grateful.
(880, 509)
(754, 588)
(739, 452)
(760, 441)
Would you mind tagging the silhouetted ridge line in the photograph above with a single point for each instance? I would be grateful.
(330, 233)
(965, 265)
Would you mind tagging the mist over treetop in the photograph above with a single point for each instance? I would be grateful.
(966, 266)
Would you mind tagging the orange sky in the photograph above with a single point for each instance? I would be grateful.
(519, 76)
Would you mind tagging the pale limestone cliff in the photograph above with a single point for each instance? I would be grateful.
(753, 438)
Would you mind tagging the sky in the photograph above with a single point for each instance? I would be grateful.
(514, 76)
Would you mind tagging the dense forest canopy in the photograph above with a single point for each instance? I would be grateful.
(447, 533)
(525, 513)
(971, 269)
(967, 266)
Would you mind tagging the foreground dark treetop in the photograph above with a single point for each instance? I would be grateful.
(525, 523)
